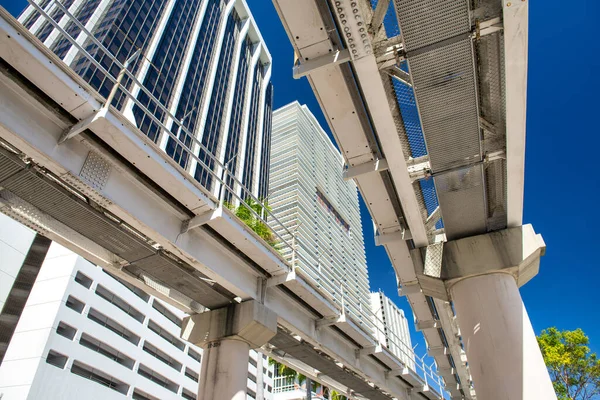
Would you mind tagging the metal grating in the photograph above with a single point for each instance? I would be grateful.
(9, 164)
(183, 278)
(73, 212)
(461, 197)
(424, 22)
(445, 89)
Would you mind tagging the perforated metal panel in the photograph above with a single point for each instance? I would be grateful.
(490, 59)
(461, 197)
(424, 22)
(444, 82)
(67, 208)
(95, 170)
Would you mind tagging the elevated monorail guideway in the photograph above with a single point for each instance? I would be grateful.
(427, 102)
(77, 170)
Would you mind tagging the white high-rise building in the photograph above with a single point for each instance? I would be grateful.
(391, 328)
(70, 330)
(309, 196)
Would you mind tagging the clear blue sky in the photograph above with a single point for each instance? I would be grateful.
(563, 136)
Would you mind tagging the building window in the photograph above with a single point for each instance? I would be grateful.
(186, 394)
(194, 354)
(160, 355)
(119, 303)
(139, 395)
(192, 375)
(157, 378)
(56, 359)
(75, 304)
(160, 331)
(106, 350)
(66, 330)
(98, 376)
(113, 325)
(83, 280)
(158, 306)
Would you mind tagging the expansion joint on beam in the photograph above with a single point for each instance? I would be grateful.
(431, 324)
(279, 279)
(377, 165)
(367, 351)
(409, 288)
(438, 351)
(201, 219)
(310, 66)
(328, 321)
(387, 238)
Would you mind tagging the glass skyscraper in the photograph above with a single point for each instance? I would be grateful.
(311, 199)
(202, 60)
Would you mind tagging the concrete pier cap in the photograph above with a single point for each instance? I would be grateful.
(515, 251)
(250, 322)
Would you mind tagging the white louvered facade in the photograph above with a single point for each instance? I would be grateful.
(310, 197)
(391, 328)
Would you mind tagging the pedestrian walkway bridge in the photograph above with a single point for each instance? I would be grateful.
(78, 171)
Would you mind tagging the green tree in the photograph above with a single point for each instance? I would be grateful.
(574, 369)
(333, 395)
(284, 370)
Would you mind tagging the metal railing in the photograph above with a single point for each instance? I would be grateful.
(284, 240)
(192, 150)
(286, 384)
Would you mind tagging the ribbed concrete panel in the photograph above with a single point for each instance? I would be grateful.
(444, 82)
(461, 197)
(424, 22)
(308, 355)
(184, 279)
(71, 211)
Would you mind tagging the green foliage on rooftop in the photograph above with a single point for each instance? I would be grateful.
(248, 214)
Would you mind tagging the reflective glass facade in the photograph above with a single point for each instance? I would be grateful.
(166, 63)
(62, 46)
(213, 129)
(56, 15)
(263, 183)
(190, 103)
(232, 148)
(250, 152)
(202, 61)
(34, 15)
(127, 25)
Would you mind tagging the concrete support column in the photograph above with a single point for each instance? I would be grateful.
(504, 358)
(226, 335)
(224, 372)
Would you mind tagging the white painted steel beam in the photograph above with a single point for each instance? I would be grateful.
(515, 17)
